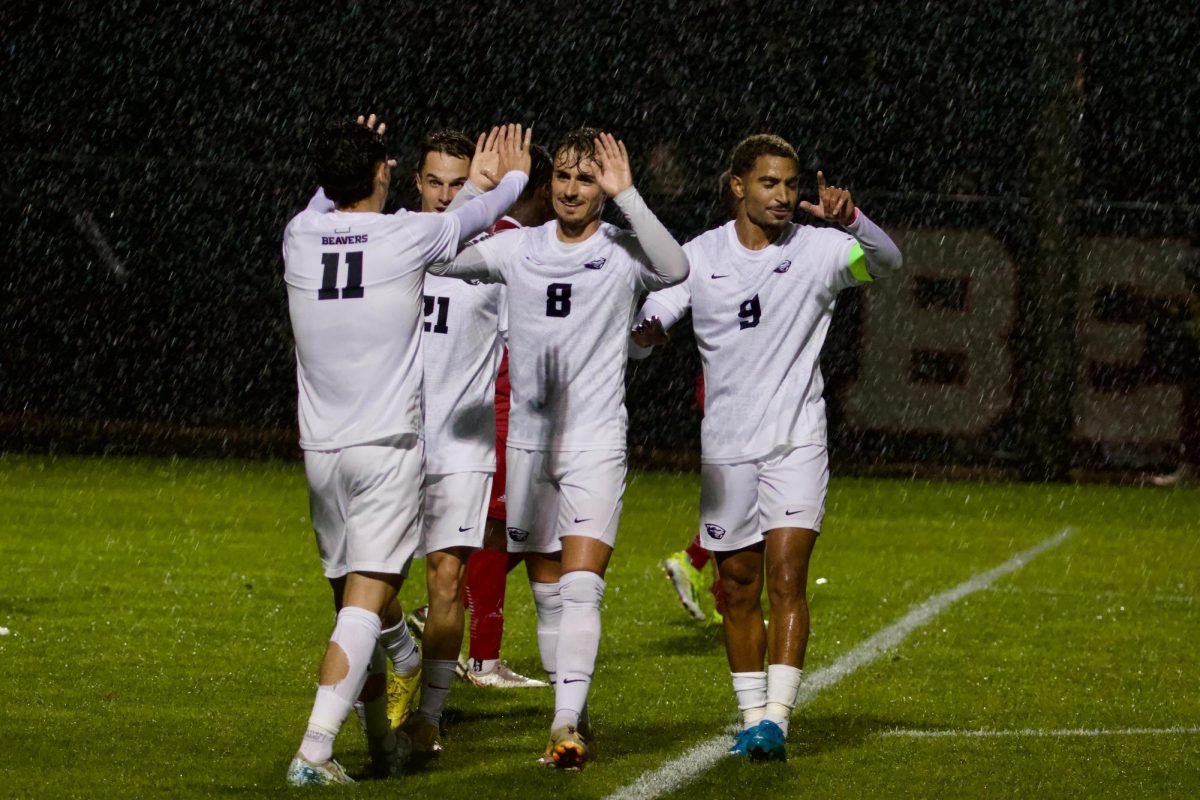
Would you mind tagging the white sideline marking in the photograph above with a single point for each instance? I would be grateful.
(1037, 732)
(682, 770)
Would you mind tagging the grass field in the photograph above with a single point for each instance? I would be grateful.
(165, 619)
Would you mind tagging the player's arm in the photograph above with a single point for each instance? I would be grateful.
(667, 261)
(511, 170)
(654, 321)
(319, 202)
(479, 262)
(873, 254)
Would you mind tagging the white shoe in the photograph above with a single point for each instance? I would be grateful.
(302, 772)
(502, 676)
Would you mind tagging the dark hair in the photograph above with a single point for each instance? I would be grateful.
(540, 169)
(346, 157)
(451, 142)
(748, 150)
(580, 144)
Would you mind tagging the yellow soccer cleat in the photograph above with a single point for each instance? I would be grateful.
(567, 748)
(402, 696)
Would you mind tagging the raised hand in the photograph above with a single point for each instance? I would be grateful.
(614, 174)
(485, 164)
(650, 333)
(835, 203)
(369, 124)
(512, 147)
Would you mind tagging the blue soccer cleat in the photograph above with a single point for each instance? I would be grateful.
(742, 741)
(766, 743)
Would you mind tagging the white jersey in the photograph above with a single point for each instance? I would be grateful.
(354, 294)
(569, 310)
(760, 319)
(462, 350)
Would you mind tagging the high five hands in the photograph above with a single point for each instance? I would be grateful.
(499, 151)
(613, 175)
(835, 203)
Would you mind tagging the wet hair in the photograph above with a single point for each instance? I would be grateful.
(455, 144)
(748, 151)
(346, 156)
(540, 169)
(577, 146)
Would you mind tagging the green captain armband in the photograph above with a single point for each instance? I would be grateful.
(858, 264)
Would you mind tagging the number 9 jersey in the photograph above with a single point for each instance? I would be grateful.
(354, 283)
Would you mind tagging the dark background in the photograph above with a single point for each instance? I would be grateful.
(154, 152)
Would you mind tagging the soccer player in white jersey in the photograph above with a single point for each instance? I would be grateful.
(462, 348)
(761, 293)
(573, 285)
(354, 278)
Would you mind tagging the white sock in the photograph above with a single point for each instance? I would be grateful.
(356, 632)
(548, 602)
(751, 691)
(375, 718)
(783, 683)
(401, 648)
(578, 643)
(436, 677)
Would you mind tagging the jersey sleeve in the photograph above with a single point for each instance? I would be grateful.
(485, 261)
(435, 236)
(864, 253)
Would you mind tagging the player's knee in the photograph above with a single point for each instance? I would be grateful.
(786, 584)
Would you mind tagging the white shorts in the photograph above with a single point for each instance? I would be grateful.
(365, 503)
(739, 503)
(456, 508)
(555, 494)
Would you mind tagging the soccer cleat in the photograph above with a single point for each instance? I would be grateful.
(302, 772)
(1181, 478)
(402, 695)
(766, 742)
(389, 756)
(416, 622)
(502, 676)
(742, 741)
(424, 739)
(688, 582)
(567, 748)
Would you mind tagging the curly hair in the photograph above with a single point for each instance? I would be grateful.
(346, 156)
(576, 147)
(748, 150)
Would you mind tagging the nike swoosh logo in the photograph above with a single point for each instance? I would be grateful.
(790, 513)
(461, 529)
(715, 276)
(574, 680)
(443, 688)
(585, 519)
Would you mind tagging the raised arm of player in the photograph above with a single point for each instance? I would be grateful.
(512, 172)
(668, 262)
(876, 255)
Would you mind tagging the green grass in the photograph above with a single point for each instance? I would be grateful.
(167, 617)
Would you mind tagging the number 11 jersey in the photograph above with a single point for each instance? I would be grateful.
(354, 283)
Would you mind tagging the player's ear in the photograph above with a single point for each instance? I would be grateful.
(737, 187)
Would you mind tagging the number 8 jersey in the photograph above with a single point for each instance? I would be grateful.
(569, 311)
(354, 283)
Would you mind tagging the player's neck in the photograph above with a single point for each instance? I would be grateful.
(574, 233)
(371, 204)
(753, 236)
